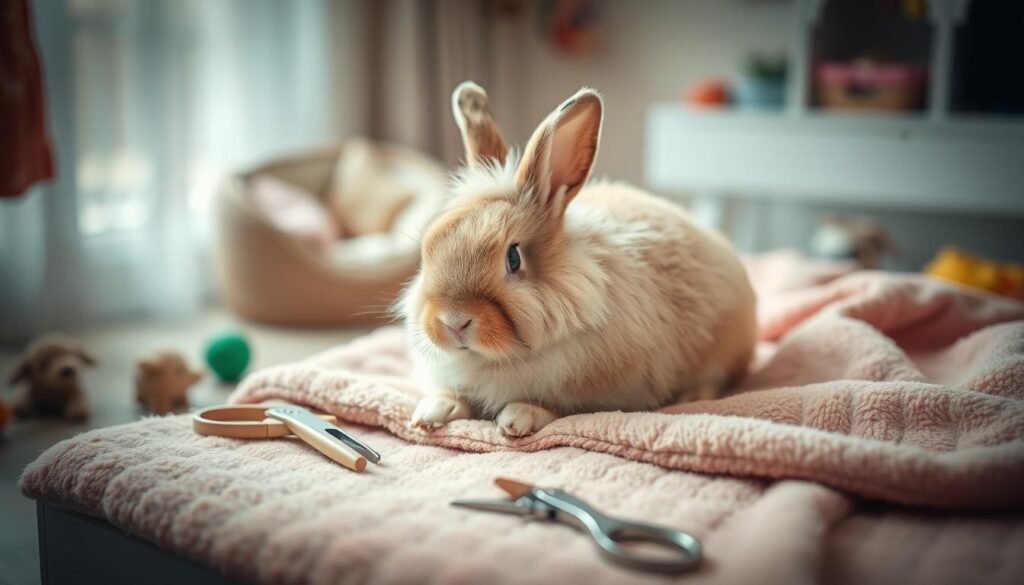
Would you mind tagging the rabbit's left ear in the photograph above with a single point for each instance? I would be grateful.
(561, 153)
(480, 134)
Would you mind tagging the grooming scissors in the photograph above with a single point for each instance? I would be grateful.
(266, 421)
(609, 533)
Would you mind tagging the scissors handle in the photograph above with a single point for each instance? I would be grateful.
(681, 551)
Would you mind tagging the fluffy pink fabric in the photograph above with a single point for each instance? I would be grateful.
(891, 386)
(894, 387)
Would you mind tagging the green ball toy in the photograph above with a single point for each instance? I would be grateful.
(227, 354)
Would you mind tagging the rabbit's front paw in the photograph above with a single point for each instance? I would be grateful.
(433, 412)
(519, 419)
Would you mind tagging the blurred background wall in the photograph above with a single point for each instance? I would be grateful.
(150, 102)
(652, 50)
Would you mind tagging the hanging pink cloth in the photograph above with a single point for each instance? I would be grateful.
(25, 156)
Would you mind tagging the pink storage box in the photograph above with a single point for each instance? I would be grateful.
(868, 85)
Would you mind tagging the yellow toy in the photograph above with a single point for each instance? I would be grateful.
(960, 266)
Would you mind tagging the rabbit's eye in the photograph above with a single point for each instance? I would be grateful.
(512, 259)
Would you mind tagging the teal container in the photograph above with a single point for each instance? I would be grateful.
(753, 93)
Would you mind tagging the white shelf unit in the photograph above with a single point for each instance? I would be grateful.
(925, 161)
(905, 162)
(944, 16)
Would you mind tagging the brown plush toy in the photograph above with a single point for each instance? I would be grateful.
(162, 381)
(50, 372)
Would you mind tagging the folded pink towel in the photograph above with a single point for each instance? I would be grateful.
(890, 386)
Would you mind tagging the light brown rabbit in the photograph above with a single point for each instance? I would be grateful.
(541, 295)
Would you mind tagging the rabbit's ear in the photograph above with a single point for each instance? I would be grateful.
(480, 133)
(558, 159)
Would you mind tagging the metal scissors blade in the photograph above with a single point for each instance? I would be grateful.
(521, 503)
(499, 506)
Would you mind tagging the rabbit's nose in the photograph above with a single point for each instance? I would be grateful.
(457, 325)
(66, 372)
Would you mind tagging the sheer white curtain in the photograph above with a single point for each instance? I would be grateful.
(149, 102)
(419, 51)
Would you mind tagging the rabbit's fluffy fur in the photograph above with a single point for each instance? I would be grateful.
(621, 302)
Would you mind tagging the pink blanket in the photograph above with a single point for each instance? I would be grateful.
(890, 386)
(894, 387)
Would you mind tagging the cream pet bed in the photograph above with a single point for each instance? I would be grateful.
(266, 274)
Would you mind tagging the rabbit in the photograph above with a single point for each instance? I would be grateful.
(542, 295)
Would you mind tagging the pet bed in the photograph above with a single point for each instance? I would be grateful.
(326, 237)
(879, 439)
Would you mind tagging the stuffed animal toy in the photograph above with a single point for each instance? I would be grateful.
(50, 374)
(162, 381)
